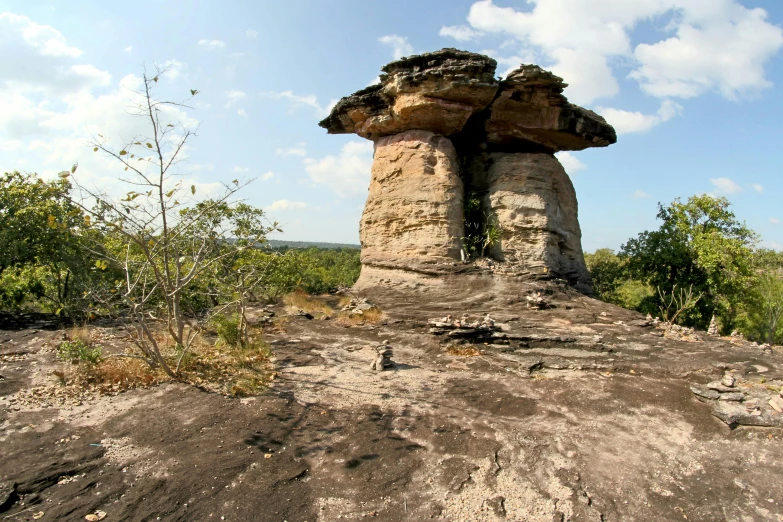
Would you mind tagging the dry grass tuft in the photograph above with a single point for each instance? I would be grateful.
(371, 316)
(80, 334)
(344, 301)
(307, 302)
(115, 374)
(462, 350)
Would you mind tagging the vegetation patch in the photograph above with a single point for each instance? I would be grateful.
(369, 316)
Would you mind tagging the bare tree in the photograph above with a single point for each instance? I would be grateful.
(165, 240)
(676, 303)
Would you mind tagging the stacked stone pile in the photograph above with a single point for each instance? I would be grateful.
(383, 358)
(357, 306)
(444, 128)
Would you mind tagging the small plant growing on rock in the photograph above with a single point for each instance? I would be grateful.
(78, 351)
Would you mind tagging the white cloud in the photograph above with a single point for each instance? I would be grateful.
(570, 163)
(238, 170)
(284, 204)
(717, 45)
(461, 33)
(626, 122)
(774, 221)
(234, 97)
(268, 175)
(725, 186)
(173, 69)
(251, 33)
(297, 150)
(241, 112)
(758, 187)
(348, 173)
(45, 39)
(212, 44)
(638, 194)
(307, 100)
(399, 44)
(52, 104)
(128, 50)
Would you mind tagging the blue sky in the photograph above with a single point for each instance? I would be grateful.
(692, 87)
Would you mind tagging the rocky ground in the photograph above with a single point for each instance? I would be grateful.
(566, 409)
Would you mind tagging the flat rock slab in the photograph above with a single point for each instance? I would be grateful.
(568, 433)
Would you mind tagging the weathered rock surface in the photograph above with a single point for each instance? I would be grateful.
(413, 217)
(434, 91)
(532, 199)
(530, 107)
(446, 130)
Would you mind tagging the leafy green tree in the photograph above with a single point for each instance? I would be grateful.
(43, 256)
(764, 307)
(700, 245)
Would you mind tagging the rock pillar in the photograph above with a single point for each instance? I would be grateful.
(413, 218)
(445, 132)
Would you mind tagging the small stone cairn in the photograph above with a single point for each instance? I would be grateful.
(712, 331)
(537, 302)
(357, 306)
(383, 357)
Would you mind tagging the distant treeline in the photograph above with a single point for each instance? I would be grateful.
(279, 244)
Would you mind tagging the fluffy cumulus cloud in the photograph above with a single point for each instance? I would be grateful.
(399, 45)
(461, 33)
(774, 221)
(296, 101)
(52, 103)
(347, 173)
(234, 97)
(638, 194)
(758, 187)
(284, 204)
(570, 163)
(718, 45)
(725, 186)
(251, 33)
(626, 122)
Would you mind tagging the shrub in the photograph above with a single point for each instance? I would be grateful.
(78, 351)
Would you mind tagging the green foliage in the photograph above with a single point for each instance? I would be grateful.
(633, 295)
(228, 330)
(608, 272)
(46, 262)
(763, 311)
(699, 245)
(78, 351)
(481, 231)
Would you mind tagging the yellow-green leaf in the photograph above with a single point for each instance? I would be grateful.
(149, 145)
(193, 189)
(123, 152)
(73, 169)
(64, 174)
(95, 149)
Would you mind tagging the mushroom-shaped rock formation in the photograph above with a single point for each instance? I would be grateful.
(464, 167)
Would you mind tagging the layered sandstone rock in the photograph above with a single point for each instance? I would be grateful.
(413, 217)
(445, 129)
(530, 107)
(532, 199)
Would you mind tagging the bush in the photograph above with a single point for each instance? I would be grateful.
(78, 351)
(228, 330)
